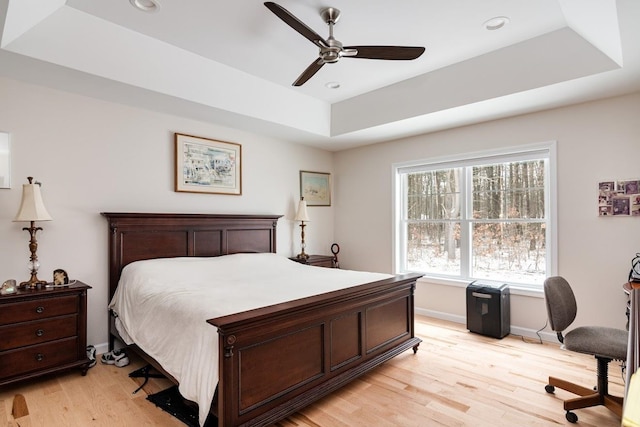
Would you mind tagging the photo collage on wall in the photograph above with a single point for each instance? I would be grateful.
(619, 198)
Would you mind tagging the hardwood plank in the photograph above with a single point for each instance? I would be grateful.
(457, 378)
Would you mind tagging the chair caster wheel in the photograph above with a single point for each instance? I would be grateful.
(549, 388)
(571, 417)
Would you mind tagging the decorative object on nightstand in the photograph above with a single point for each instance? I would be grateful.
(8, 287)
(302, 216)
(335, 249)
(32, 209)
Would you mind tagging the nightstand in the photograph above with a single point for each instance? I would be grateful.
(43, 331)
(317, 261)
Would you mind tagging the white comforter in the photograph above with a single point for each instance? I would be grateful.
(163, 304)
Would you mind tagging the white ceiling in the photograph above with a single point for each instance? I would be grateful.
(233, 62)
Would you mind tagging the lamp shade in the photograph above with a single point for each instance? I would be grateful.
(302, 214)
(32, 208)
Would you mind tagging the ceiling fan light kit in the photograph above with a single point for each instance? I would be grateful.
(331, 50)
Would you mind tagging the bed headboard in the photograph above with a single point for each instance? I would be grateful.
(139, 236)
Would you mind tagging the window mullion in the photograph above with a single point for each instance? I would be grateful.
(465, 223)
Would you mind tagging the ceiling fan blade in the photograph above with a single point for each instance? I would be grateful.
(309, 72)
(296, 24)
(386, 52)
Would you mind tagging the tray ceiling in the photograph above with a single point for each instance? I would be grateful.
(232, 63)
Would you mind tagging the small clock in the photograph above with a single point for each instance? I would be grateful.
(60, 277)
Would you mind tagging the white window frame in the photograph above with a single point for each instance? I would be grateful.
(521, 153)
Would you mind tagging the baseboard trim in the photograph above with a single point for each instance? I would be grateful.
(102, 348)
(515, 330)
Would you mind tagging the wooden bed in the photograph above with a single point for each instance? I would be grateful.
(278, 359)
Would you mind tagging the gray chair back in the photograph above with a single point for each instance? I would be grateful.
(561, 303)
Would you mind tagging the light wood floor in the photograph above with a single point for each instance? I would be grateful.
(457, 378)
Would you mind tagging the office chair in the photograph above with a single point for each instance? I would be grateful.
(606, 344)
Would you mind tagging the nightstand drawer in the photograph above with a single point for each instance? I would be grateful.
(38, 357)
(23, 334)
(325, 262)
(317, 261)
(40, 308)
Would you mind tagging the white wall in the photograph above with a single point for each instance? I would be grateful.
(596, 141)
(4, 160)
(94, 156)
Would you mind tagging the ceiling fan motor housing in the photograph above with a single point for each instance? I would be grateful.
(331, 53)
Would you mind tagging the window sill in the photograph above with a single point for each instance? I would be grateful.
(514, 289)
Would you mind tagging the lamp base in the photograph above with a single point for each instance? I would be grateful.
(32, 283)
(302, 255)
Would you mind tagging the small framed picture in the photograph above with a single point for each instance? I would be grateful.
(205, 165)
(315, 187)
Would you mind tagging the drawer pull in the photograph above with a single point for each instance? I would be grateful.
(39, 357)
(40, 309)
(40, 332)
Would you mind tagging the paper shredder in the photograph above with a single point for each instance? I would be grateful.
(488, 310)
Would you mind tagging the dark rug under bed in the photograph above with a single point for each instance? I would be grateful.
(171, 401)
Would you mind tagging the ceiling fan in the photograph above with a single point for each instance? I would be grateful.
(331, 50)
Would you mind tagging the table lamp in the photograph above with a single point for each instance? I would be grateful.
(32, 209)
(302, 216)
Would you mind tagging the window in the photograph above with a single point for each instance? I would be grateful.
(479, 217)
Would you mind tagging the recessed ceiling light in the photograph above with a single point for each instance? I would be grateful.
(332, 85)
(496, 23)
(146, 5)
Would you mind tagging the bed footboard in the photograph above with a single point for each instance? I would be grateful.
(276, 360)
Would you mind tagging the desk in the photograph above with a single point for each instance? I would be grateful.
(633, 350)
